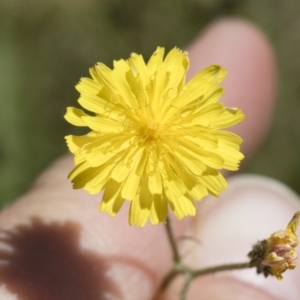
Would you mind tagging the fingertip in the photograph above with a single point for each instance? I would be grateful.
(244, 50)
(230, 288)
(251, 209)
(212, 287)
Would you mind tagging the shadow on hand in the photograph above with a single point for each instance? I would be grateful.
(45, 262)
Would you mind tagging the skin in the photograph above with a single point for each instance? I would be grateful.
(63, 248)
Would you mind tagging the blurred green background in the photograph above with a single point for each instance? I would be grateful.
(46, 46)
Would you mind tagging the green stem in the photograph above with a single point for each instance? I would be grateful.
(188, 281)
(197, 273)
(228, 267)
(169, 278)
(172, 240)
(180, 268)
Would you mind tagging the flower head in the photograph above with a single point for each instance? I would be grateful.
(277, 254)
(154, 139)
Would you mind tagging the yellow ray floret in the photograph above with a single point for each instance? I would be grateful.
(154, 139)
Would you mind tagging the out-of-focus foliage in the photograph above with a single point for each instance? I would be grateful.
(46, 46)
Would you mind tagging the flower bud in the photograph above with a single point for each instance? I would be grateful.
(277, 254)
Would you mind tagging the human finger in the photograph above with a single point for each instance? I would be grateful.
(250, 85)
(251, 209)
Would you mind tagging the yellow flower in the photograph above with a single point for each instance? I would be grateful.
(280, 253)
(154, 139)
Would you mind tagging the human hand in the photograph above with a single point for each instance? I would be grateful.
(59, 247)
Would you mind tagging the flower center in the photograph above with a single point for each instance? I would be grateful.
(151, 130)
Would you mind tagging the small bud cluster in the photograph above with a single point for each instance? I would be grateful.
(276, 254)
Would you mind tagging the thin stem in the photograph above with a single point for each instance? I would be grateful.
(186, 286)
(176, 255)
(180, 268)
(169, 278)
(221, 268)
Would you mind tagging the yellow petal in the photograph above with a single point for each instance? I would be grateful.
(177, 64)
(112, 189)
(103, 75)
(202, 85)
(228, 118)
(112, 200)
(194, 188)
(213, 181)
(155, 59)
(159, 210)
(137, 215)
(77, 142)
(138, 66)
(228, 138)
(142, 163)
(95, 104)
(198, 192)
(74, 116)
(100, 178)
(121, 68)
(103, 124)
(292, 228)
(159, 84)
(112, 207)
(204, 116)
(83, 175)
(231, 157)
(190, 149)
(172, 182)
(78, 169)
(88, 86)
(131, 186)
(146, 197)
(206, 140)
(213, 98)
(183, 207)
(195, 166)
(132, 182)
(128, 162)
(155, 182)
(103, 153)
